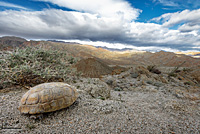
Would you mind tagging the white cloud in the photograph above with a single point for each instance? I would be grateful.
(6, 4)
(178, 4)
(190, 27)
(99, 27)
(168, 3)
(60, 24)
(118, 9)
(186, 16)
(157, 34)
(122, 46)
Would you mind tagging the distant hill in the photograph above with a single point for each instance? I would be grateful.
(128, 57)
(8, 42)
(93, 67)
(193, 54)
(11, 42)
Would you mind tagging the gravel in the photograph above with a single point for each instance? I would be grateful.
(140, 111)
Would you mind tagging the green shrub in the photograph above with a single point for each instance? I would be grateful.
(34, 65)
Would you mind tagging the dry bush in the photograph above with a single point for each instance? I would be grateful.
(153, 69)
(34, 65)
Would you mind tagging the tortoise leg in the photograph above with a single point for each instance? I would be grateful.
(36, 116)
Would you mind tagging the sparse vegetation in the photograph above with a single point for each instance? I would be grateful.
(34, 65)
(187, 83)
(187, 69)
(117, 89)
(101, 98)
(172, 74)
(175, 70)
(30, 126)
(110, 100)
(153, 69)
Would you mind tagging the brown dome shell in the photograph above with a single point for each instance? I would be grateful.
(47, 97)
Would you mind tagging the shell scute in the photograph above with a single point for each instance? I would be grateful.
(32, 99)
(24, 97)
(45, 96)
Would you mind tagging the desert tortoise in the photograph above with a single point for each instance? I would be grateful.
(47, 97)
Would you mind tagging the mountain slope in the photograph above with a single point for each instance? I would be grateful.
(129, 57)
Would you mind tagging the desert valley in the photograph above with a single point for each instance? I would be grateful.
(119, 91)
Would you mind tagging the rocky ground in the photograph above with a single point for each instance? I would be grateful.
(135, 101)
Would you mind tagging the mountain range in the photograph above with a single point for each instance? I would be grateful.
(126, 57)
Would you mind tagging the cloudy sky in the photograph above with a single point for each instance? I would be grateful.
(153, 25)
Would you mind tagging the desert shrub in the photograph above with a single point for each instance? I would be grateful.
(175, 70)
(153, 69)
(187, 69)
(34, 65)
(172, 74)
(30, 126)
(187, 83)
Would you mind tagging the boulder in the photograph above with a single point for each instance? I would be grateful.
(97, 88)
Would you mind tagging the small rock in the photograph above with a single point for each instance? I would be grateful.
(193, 102)
(109, 82)
(98, 88)
(149, 82)
(125, 89)
(134, 75)
(179, 95)
(163, 80)
(158, 84)
(144, 77)
(17, 121)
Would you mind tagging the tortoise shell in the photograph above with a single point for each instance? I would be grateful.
(47, 97)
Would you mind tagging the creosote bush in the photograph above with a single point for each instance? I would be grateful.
(35, 65)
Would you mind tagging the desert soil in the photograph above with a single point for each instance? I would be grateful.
(150, 111)
(128, 103)
(135, 101)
